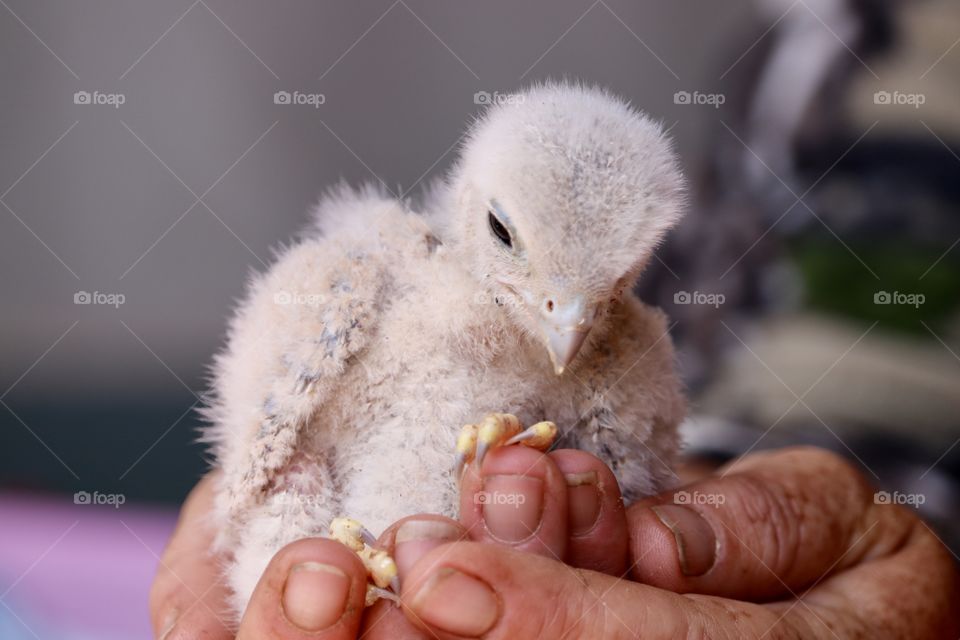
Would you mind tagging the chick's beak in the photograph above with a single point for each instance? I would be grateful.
(565, 327)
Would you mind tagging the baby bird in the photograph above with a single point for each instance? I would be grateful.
(353, 363)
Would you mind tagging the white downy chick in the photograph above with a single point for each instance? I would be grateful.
(354, 361)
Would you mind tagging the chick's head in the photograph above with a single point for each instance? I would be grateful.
(563, 192)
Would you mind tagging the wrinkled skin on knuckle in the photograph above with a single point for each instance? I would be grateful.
(569, 608)
(575, 609)
(864, 529)
(932, 576)
(723, 619)
(767, 521)
(814, 509)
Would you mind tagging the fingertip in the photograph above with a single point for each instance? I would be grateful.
(596, 517)
(312, 588)
(771, 525)
(518, 499)
(653, 549)
(447, 593)
(410, 538)
(466, 589)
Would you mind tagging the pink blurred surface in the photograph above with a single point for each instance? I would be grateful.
(79, 570)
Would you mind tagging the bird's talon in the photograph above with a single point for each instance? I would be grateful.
(374, 593)
(496, 430)
(466, 448)
(381, 568)
(350, 532)
(539, 436)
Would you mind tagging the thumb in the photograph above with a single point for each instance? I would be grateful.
(768, 527)
(312, 588)
(472, 590)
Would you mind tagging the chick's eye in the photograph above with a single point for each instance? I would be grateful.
(499, 230)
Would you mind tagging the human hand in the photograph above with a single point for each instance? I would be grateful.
(798, 530)
(791, 520)
(188, 598)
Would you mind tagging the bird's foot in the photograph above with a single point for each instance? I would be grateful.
(381, 568)
(496, 430)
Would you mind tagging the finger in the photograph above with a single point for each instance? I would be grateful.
(518, 499)
(596, 520)
(187, 598)
(385, 621)
(312, 588)
(471, 590)
(410, 538)
(772, 526)
(912, 593)
(407, 540)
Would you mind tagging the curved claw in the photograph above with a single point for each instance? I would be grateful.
(349, 532)
(494, 430)
(539, 436)
(374, 593)
(368, 538)
(482, 448)
(459, 463)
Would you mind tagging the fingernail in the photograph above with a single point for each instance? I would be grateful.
(696, 541)
(583, 501)
(169, 621)
(456, 603)
(415, 538)
(512, 506)
(315, 595)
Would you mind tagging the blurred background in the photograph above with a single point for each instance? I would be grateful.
(153, 154)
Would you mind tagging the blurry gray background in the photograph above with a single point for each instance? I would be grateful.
(109, 204)
(172, 197)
